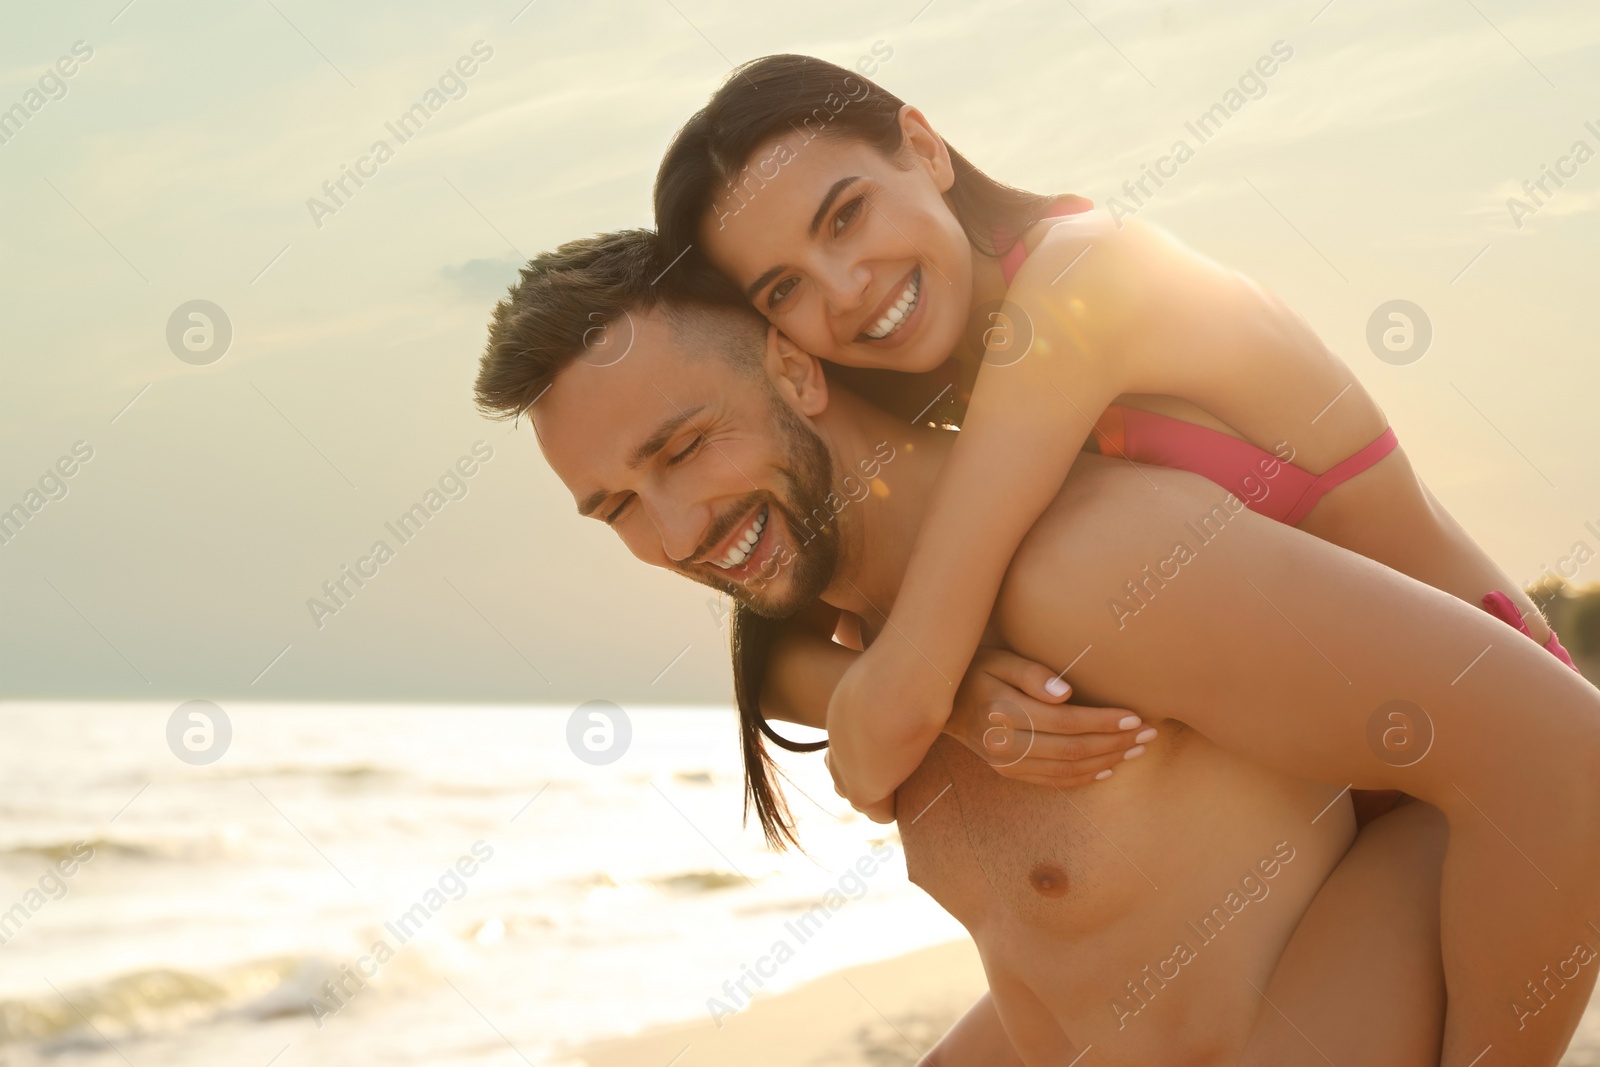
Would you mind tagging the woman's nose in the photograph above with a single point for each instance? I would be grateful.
(846, 288)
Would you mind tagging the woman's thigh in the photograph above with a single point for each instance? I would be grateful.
(1361, 980)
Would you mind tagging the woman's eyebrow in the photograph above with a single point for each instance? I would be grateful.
(761, 282)
(827, 201)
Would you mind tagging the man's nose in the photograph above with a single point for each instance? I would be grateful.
(681, 526)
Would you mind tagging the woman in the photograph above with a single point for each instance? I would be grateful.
(846, 220)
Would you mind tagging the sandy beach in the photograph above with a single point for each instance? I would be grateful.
(883, 1014)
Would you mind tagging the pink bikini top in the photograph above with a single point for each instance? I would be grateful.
(1266, 483)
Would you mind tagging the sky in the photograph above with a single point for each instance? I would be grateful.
(213, 490)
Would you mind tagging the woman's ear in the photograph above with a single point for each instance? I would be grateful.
(926, 147)
(796, 374)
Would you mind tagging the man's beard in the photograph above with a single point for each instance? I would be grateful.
(807, 475)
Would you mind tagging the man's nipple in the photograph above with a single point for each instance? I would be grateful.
(1048, 880)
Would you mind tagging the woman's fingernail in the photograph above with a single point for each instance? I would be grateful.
(1134, 753)
(1103, 775)
(1128, 722)
(1145, 735)
(1057, 688)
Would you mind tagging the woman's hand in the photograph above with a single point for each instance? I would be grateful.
(877, 811)
(886, 710)
(1012, 712)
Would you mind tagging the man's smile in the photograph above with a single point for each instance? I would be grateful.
(741, 545)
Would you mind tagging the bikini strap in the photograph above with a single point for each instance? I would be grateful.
(1013, 260)
(1340, 473)
(1015, 256)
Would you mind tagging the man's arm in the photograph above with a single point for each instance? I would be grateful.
(1290, 650)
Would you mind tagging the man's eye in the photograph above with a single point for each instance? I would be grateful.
(781, 290)
(616, 513)
(689, 450)
(846, 215)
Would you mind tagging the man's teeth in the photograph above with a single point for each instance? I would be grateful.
(746, 544)
(899, 312)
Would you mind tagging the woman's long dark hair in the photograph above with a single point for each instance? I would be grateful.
(752, 639)
(762, 100)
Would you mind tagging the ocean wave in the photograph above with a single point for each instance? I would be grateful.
(165, 999)
(211, 846)
(693, 777)
(51, 851)
(343, 773)
(358, 776)
(700, 881)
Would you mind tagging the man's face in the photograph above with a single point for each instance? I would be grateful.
(699, 466)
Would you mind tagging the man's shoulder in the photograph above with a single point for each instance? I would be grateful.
(1110, 520)
(1106, 508)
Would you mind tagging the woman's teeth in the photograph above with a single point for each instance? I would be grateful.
(900, 311)
(746, 544)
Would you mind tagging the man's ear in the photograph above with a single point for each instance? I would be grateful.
(796, 374)
(926, 147)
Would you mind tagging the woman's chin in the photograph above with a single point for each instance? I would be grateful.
(925, 358)
(926, 353)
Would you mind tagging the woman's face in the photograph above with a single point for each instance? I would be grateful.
(854, 255)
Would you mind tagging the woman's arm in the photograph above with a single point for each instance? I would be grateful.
(1006, 709)
(1110, 311)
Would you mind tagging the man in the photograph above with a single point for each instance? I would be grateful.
(1207, 906)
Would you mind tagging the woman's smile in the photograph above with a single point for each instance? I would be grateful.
(896, 312)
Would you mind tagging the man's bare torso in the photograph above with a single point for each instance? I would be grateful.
(1142, 916)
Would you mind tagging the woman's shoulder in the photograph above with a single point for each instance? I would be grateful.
(1122, 267)
(1054, 243)
(1078, 222)
(1102, 274)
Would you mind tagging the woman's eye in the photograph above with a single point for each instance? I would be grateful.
(779, 291)
(689, 450)
(846, 215)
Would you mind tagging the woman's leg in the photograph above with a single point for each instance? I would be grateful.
(1415, 536)
(1361, 980)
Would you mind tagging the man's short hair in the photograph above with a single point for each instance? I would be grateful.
(569, 297)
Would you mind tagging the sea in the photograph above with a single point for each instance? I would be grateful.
(306, 884)
(527, 899)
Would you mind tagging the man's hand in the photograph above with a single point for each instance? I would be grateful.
(1011, 711)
